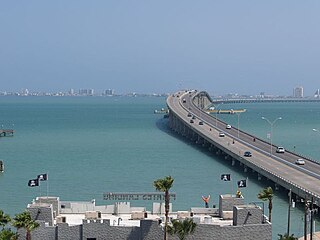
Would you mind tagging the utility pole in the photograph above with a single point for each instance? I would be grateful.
(305, 218)
(289, 209)
(311, 219)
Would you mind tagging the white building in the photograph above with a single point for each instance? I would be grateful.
(298, 92)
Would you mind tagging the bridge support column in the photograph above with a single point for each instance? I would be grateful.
(233, 162)
(184, 130)
(204, 143)
(245, 168)
(259, 176)
(276, 186)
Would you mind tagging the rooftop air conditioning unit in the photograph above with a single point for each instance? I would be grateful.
(183, 214)
(60, 219)
(93, 214)
(138, 215)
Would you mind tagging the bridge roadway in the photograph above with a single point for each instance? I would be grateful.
(264, 100)
(304, 180)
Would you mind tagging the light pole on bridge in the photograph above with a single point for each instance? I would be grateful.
(238, 114)
(271, 133)
(215, 108)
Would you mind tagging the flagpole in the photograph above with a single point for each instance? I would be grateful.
(232, 182)
(47, 184)
(40, 189)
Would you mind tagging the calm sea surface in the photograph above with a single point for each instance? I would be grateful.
(92, 145)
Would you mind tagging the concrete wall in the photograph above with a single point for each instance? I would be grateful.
(247, 214)
(247, 224)
(226, 202)
(66, 232)
(43, 212)
(50, 200)
(149, 230)
(42, 232)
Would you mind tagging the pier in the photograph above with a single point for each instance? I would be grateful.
(6, 132)
(188, 117)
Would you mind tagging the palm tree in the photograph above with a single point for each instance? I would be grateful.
(164, 185)
(182, 228)
(4, 218)
(7, 234)
(286, 237)
(267, 194)
(23, 220)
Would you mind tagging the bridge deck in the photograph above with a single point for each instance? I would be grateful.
(281, 168)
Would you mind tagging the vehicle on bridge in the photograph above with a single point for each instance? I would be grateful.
(300, 161)
(228, 126)
(189, 115)
(221, 134)
(280, 150)
(191, 121)
(247, 154)
(200, 123)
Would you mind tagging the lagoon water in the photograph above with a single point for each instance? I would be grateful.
(92, 145)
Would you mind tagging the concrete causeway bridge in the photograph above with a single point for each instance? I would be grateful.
(188, 118)
(264, 100)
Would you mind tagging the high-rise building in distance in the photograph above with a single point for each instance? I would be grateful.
(108, 92)
(298, 92)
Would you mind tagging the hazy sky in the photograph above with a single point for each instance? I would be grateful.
(151, 46)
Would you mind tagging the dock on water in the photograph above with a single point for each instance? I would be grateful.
(222, 111)
(6, 132)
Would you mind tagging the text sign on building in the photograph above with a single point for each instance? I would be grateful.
(130, 196)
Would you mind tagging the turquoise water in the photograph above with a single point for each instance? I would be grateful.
(92, 145)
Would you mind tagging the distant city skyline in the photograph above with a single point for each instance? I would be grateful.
(298, 92)
(243, 47)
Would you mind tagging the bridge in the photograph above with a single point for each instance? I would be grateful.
(264, 100)
(188, 118)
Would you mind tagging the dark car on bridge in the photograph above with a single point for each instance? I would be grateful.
(191, 121)
(247, 154)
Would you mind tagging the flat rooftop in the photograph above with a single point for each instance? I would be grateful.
(126, 219)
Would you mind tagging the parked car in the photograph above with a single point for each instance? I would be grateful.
(247, 154)
(300, 161)
(280, 150)
(221, 134)
(184, 100)
(228, 126)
